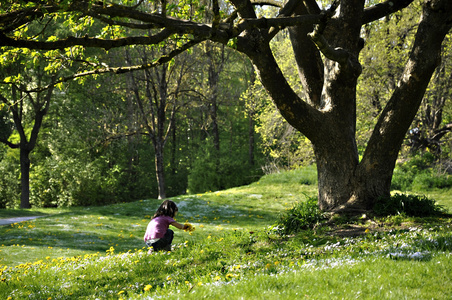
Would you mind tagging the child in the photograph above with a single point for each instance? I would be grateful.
(158, 235)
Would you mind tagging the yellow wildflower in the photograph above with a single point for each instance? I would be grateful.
(147, 288)
(189, 227)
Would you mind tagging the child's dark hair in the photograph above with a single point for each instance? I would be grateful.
(167, 208)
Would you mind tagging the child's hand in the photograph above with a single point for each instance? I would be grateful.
(189, 227)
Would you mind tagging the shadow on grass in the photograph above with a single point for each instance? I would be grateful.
(14, 213)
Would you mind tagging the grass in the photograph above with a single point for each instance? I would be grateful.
(97, 252)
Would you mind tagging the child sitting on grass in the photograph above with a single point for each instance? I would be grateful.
(158, 235)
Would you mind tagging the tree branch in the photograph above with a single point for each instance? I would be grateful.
(394, 121)
(85, 41)
(9, 144)
(120, 70)
(281, 22)
(441, 132)
(267, 2)
(338, 54)
(380, 10)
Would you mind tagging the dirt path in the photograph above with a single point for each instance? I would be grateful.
(17, 220)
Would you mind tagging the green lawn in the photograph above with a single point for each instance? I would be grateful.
(97, 252)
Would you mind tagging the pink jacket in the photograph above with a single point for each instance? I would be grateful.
(157, 227)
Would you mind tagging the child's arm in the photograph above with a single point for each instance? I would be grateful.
(178, 225)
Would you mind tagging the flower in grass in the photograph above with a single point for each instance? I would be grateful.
(200, 283)
(121, 292)
(147, 288)
(111, 250)
(189, 227)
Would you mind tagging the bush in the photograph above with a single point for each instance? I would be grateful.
(419, 174)
(303, 215)
(427, 181)
(410, 205)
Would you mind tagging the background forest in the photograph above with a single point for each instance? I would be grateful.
(201, 122)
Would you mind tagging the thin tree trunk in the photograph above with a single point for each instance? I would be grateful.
(251, 138)
(160, 170)
(25, 178)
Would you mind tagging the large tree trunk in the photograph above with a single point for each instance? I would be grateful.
(328, 115)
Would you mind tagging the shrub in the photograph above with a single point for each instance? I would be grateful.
(303, 215)
(420, 173)
(427, 181)
(410, 205)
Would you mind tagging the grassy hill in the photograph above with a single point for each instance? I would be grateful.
(98, 252)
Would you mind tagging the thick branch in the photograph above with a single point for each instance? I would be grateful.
(85, 41)
(338, 54)
(281, 22)
(297, 112)
(441, 132)
(267, 2)
(9, 144)
(312, 6)
(309, 62)
(381, 10)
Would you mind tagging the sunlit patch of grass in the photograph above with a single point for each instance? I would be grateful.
(375, 278)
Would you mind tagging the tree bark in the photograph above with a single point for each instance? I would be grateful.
(24, 178)
(328, 118)
(374, 173)
(26, 145)
(160, 170)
